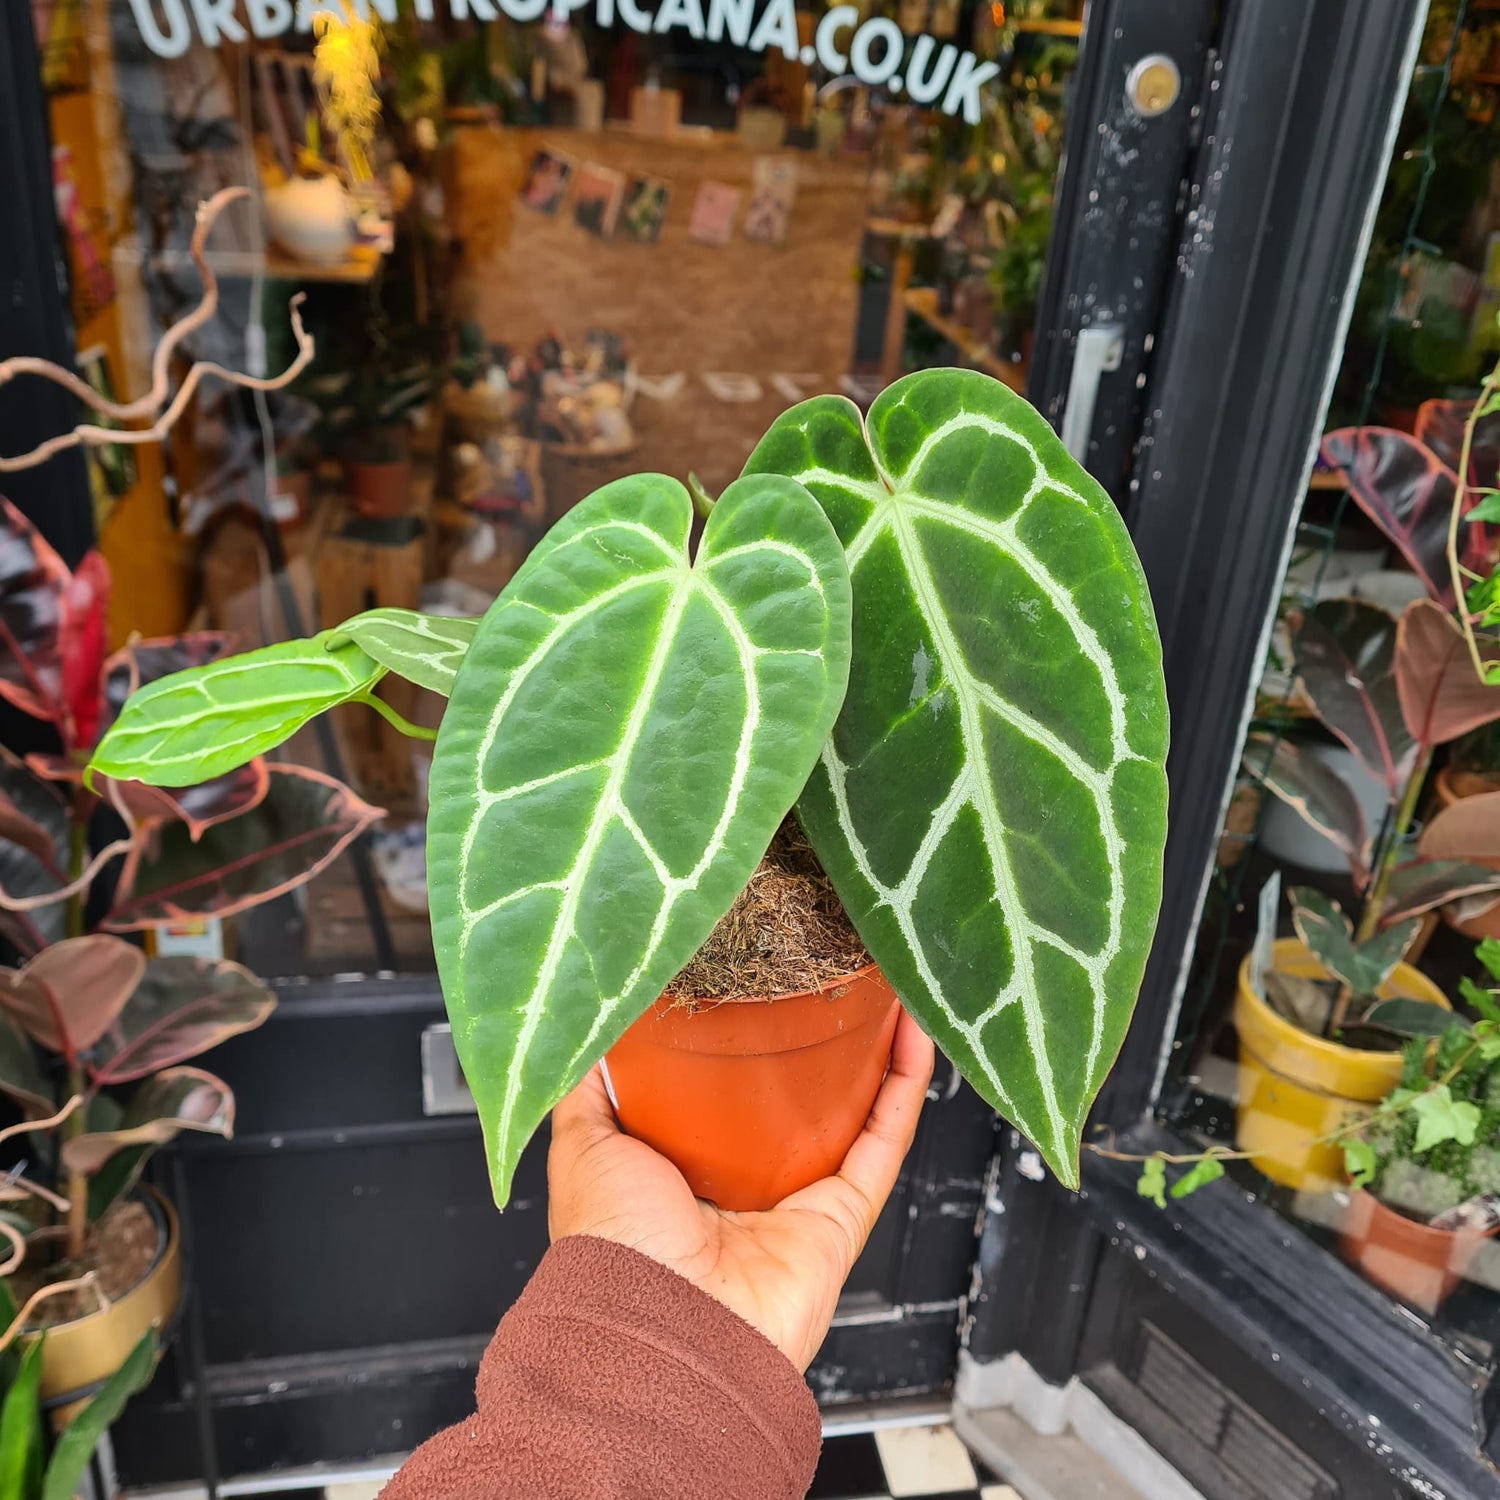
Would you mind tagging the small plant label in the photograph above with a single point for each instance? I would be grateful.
(1267, 904)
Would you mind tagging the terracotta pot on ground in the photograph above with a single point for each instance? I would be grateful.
(379, 491)
(1415, 1262)
(1472, 835)
(753, 1099)
(1295, 1087)
(79, 1355)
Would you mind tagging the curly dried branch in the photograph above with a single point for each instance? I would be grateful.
(18, 1324)
(1460, 494)
(26, 1126)
(73, 888)
(150, 405)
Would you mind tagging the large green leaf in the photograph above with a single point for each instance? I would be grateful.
(76, 1446)
(198, 724)
(425, 649)
(623, 738)
(992, 804)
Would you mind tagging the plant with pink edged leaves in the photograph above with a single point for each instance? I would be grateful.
(97, 1040)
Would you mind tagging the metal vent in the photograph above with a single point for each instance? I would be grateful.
(1260, 1460)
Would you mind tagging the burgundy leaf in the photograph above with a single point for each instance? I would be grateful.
(1346, 651)
(33, 579)
(182, 1006)
(305, 820)
(176, 1100)
(1426, 883)
(27, 869)
(82, 643)
(1442, 695)
(68, 995)
(1440, 425)
(1407, 491)
(1318, 794)
(199, 807)
(142, 662)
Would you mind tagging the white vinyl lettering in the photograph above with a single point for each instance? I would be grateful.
(562, 9)
(727, 386)
(970, 76)
(634, 17)
(861, 64)
(484, 10)
(779, 25)
(215, 19)
(923, 86)
(840, 18)
(269, 17)
(660, 387)
(172, 42)
(687, 14)
(733, 16)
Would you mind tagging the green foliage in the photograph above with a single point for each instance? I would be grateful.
(75, 1447)
(1329, 934)
(1359, 1162)
(1205, 1170)
(1152, 1183)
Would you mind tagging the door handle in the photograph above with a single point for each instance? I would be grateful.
(1097, 351)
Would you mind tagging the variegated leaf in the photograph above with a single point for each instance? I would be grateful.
(991, 806)
(424, 649)
(624, 736)
(211, 719)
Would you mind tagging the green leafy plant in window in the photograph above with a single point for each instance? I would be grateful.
(926, 629)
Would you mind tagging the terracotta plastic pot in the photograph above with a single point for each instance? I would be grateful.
(753, 1099)
(1415, 1262)
(80, 1355)
(1295, 1087)
(1450, 786)
(379, 491)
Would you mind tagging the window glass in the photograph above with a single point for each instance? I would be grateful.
(1336, 1042)
(536, 248)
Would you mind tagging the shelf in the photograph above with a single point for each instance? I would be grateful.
(1327, 479)
(922, 301)
(1050, 28)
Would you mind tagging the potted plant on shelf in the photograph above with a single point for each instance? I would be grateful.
(926, 629)
(1426, 1165)
(1391, 691)
(94, 1035)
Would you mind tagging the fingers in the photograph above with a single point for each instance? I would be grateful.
(855, 1196)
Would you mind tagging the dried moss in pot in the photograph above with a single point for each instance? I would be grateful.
(785, 934)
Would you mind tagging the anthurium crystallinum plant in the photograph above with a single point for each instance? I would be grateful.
(926, 630)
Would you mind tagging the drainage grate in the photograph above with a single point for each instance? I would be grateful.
(1261, 1461)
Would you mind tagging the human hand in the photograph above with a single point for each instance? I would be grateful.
(781, 1270)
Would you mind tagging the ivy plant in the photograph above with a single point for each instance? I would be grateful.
(926, 629)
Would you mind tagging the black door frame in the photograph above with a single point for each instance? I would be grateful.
(1293, 156)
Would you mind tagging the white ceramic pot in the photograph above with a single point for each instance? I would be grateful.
(1290, 840)
(311, 218)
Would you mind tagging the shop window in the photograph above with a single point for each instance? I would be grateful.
(537, 248)
(1337, 1052)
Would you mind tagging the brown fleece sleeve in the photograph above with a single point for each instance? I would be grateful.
(612, 1378)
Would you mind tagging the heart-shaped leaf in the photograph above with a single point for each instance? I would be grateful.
(1346, 654)
(66, 997)
(172, 1101)
(1442, 696)
(206, 721)
(991, 806)
(181, 1007)
(33, 579)
(305, 820)
(1316, 792)
(623, 738)
(424, 649)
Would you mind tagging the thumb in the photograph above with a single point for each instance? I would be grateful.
(584, 1114)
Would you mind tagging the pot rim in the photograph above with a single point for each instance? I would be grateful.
(1416, 1226)
(1318, 1046)
(706, 1003)
(161, 1210)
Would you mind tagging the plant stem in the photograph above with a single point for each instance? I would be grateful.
(392, 717)
(1460, 492)
(1406, 812)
